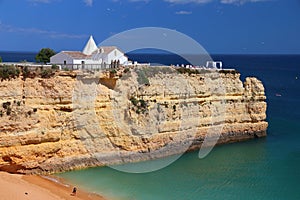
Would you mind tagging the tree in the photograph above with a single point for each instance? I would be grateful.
(0, 59)
(44, 55)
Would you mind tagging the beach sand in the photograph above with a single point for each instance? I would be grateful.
(32, 187)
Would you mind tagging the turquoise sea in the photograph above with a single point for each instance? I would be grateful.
(260, 169)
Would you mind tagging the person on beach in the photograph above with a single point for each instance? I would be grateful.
(74, 191)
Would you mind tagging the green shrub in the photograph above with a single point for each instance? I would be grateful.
(140, 105)
(46, 73)
(126, 70)
(152, 71)
(55, 67)
(143, 103)
(189, 71)
(9, 71)
(6, 105)
(0, 59)
(134, 101)
(142, 78)
(17, 72)
(113, 71)
(183, 70)
(8, 111)
(229, 71)
(25, 72)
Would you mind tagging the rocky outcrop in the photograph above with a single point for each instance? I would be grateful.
(75, 120)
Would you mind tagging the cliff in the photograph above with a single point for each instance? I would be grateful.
(72, 120)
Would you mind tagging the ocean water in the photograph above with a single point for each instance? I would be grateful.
(262, 169)
(17, 56)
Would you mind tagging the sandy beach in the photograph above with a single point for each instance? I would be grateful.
(32, 187)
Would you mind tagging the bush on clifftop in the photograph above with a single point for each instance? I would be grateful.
(8, 71)
(47, 73)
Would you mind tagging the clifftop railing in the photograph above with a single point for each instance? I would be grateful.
(87, 66)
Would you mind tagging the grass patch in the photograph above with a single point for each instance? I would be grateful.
(142, 78)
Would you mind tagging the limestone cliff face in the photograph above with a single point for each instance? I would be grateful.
(75, 120)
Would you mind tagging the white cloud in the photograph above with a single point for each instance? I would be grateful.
(53, 34)
(183, 12)
(205, 1)
(188, 1)
(146, 1)
(88, 2)
(240, 2)
(40, 1)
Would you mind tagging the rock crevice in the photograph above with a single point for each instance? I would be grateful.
(70, 122)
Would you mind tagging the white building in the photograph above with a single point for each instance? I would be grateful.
(92, 57)
(214, 64)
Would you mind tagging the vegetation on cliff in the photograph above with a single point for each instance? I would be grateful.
(189, 71)
(44, 55)
(8, 72)
(16, 109)
(139, 105)
(44, 128)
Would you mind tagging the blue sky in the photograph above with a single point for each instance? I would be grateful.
(220, 26)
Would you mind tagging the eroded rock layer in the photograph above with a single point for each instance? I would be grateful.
(75, 120)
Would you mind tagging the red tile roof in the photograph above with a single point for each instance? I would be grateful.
(76, 54)
(80, 55)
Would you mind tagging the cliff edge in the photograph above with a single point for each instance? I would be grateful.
(73, 120)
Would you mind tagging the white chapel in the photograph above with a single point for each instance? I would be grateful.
(91, 57)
